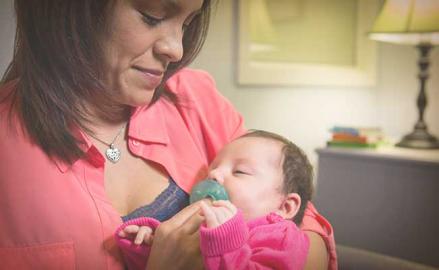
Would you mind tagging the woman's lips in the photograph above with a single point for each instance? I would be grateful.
(152, 78)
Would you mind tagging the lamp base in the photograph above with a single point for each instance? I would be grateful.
(419, 139)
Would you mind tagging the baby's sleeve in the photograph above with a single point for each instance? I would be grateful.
(233, 246)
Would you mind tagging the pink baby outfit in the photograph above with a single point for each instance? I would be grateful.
(268, 242)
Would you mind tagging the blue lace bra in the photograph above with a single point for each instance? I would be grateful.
(168, 203)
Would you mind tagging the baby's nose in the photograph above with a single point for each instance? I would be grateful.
(216, 175)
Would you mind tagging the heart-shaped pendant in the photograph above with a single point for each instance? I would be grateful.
(113, 154)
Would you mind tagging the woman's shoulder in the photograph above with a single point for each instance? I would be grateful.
(197, 92)
(12, 134)
(20, 157)
(194, 85)
(210, 116)
(314, 221)
(189, 76)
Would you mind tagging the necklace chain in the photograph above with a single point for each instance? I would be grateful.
(112, 142)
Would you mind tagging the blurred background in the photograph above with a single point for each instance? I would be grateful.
(305, 114)
(396, 193)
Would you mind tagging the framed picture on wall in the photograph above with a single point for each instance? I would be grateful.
(306, 42)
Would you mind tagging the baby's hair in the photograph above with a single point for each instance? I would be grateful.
(297, 169)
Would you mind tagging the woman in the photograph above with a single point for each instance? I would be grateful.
(97, 124)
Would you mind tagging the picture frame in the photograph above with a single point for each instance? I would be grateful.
(336, 67)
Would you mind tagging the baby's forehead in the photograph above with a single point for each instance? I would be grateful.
(253, 148)
(255, 141)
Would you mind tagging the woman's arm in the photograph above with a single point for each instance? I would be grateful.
(318, 254)
(176, 242)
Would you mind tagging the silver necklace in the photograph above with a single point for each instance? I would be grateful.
(112, 153)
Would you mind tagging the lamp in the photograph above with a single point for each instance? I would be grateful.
(414, 22)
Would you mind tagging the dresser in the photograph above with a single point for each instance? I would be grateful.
(384, 200)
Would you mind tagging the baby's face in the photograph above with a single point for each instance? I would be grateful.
(250, 169)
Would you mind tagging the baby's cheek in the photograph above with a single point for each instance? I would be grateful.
(242, 200)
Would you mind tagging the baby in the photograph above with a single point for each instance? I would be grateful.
(269, 182)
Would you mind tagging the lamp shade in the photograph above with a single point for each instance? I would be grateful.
(407, 22)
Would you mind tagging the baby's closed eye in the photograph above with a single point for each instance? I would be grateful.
(243, 170)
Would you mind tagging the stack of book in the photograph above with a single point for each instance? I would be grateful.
(355, 137)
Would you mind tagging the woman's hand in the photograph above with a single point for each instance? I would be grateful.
(176, 242)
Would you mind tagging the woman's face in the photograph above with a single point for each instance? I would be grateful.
(144, 37)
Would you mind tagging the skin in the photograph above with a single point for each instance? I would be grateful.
(178, 238)
(317, 254)
(146, 36)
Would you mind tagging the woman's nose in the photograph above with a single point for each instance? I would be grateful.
(170, 46)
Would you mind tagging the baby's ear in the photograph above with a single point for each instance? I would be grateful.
(290, 206)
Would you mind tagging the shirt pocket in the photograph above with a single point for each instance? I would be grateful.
(59, 256)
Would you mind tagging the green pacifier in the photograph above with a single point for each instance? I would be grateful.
(208, 189)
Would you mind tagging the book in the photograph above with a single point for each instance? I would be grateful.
(351, 144)
(355, 137)
(343, 137)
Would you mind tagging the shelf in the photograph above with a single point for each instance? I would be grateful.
(385, 153)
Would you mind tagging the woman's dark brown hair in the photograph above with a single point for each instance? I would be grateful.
(297, 170)
(58, 68)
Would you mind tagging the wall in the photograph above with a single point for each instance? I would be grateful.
(304, 114)
(7, 31)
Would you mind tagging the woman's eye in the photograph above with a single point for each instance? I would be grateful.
(151, 20)
(240, 172)
(188, 22)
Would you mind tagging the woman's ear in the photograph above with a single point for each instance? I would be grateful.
(290, 206)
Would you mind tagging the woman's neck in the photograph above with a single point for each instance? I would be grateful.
(105, 125)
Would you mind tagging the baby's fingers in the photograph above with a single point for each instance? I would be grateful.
(143, 235)
(227, 204)
(209, 215)
(130, 229)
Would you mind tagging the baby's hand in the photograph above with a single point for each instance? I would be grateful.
(138, 233)
(217, 213)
